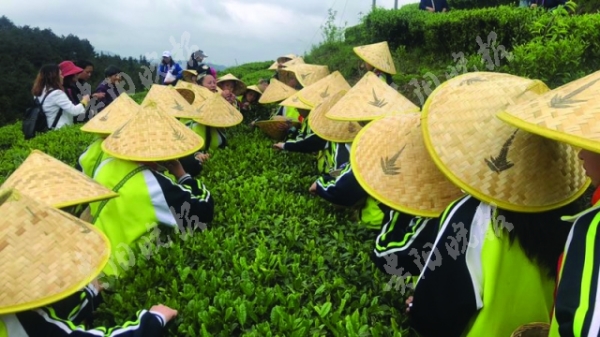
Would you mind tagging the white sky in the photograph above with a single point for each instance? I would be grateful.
(227, 30)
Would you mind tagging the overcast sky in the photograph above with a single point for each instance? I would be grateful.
(227, 30)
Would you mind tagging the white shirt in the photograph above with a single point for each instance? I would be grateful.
(58, 100)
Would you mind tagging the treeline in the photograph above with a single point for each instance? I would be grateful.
(23, 50)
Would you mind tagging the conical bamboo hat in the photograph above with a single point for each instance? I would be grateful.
(288, 56)
(217, 112)
(314, 94)
(297, 60)
(189, 76)
(333, 131)
(276, 92)
(240, 86)
(370, 99)
(152, 135)
(307, 74)
(113, 116)
(569, 114)
(295, 102)
(55, 183)
(188, 94)
(200, 93)
(276, 128)
(254, 88)
(378, 55)
(170, 101)
(274, 66)
(390, 161)
(491, 160)
(45, 254)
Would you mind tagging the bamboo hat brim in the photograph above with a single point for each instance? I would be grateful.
(55, 183)
(307, 74)
(189, 76)
(274, 66)
(113, 116)
(295, 102)
(493, 161)
(239, 85)
(297, 60)
(152, 135)
(169, 101)
(390, 161)
(569, 114)
(289, 57)
(378, 55)
(273, 128)
(254, 88)
(45, 254)
(217, 112)
(370, 99)
(333, 131)
(276, 92)
(314, 94)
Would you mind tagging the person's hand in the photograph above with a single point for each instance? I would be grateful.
(246, 105)
(85, 99)
(99, 95)
(165, 311)
(408, 302)
(533, 5)
(174, 167)
(278, 146)
(97, 285)
(430, 9)
(444, 10)
(313, 188)
(202, 157)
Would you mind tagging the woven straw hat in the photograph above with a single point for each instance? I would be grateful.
(297, 60)
(378, 55)
(217, 112)
(274, 66)
(324, 88)
(170, 101)
(276, 92)
(334, 131)
(370, 99)
(55, 183)
(113, 116)
(188, 94)
(532, 330)
(239, 88)
(569, 114)
(306, 74)
(492, 161)
(152, 135)
(254, 88)
(45, 254)
(295, 102)
(273, 127)
(391, 162)
(189, 76)
(200, 93)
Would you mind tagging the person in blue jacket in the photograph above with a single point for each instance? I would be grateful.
(168, 66)
(434, 5)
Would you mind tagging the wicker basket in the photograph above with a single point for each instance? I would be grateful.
(532, 330)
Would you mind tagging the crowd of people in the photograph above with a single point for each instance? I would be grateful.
(474, 199)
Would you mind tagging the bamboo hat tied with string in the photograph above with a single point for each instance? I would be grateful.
(306, 74)
(239, 87)
(200, 93)
(569, 114)
(46, 254)
(55, 183)
(493, 161)
(152, 135)
(378, 55)
(294, 101)
(316, 93)
(390, 161)
(370, 99)
(189, 75)
(217, 112)
(113, 116)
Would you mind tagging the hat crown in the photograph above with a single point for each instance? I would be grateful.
(276, 91)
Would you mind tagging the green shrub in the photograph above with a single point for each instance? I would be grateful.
(251, 73)
(337, 56)
(471, 4)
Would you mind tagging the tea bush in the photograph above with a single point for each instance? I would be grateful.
(275, 262)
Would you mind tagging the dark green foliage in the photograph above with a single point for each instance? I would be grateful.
(472, 4)
(276, 261)
(251, 73)
(338, 56)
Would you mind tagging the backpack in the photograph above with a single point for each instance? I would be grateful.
(35, 121)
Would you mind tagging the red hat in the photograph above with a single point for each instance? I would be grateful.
(69, 68)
